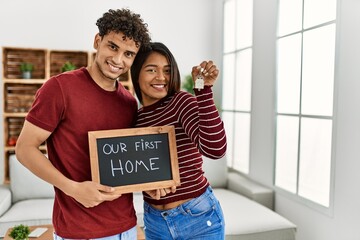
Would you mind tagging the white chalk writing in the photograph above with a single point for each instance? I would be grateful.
(129, 167)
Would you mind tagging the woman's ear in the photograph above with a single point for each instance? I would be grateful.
(97, 41)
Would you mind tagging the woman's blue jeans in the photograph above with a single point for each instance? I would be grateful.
(198, 219)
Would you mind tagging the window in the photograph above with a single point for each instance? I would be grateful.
(236, 96)
(305, 91)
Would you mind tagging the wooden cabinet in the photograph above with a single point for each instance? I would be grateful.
(58, 58)
(18, 93)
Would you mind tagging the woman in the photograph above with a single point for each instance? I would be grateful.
(192, 211)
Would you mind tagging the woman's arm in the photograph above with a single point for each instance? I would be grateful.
(201, 119)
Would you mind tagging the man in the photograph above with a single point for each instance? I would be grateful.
(69, 105)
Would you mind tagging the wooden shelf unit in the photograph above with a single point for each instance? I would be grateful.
(13, 57)
(58, 58)
(18, 93)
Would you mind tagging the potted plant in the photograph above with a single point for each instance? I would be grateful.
(20, 232)
(68, 66)
(26, 69)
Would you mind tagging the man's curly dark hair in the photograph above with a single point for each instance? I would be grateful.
(127, 22)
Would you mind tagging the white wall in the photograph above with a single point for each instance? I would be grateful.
(187, 27)
(192, 29)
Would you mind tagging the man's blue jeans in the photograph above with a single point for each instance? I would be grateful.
(130, 234)
(198, 219)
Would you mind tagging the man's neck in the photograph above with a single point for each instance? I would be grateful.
(102, 81)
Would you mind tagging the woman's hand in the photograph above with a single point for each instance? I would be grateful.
(208, 71)
(158, 193)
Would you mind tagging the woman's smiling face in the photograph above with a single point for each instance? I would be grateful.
(153, 78)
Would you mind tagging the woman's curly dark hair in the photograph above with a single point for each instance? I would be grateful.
(127, 22)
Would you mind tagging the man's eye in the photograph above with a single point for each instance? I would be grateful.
(112, 47)
(129, 54)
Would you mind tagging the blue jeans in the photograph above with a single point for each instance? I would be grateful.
(130, 234)
(198, 219)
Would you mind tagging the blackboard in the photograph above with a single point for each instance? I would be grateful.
(134, 159)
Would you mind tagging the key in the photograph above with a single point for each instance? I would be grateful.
(199, 82)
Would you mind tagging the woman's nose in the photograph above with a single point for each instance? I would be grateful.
(160, 76)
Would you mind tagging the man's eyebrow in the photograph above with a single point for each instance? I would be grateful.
(133, 53)
(112, 43)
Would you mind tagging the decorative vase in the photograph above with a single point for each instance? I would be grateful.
(26, 75)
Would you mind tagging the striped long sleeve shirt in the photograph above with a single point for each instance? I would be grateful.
(199, 131)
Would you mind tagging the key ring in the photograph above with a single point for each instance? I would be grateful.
(199, 82)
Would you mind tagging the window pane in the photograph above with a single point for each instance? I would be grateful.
(305, 86)
(243, 80)
(290, 16)
(289, 74)
(242, 142)
(287, 152)
(228, 119)
(229, 25)
(315, 160)
(244, 23)
(318, 71)
(236, 78)
(228, 82)
(318, 11)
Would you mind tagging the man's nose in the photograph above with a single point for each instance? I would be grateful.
(118, 58)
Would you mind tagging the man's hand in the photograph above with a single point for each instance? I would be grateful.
(158, 193)
(91, 194)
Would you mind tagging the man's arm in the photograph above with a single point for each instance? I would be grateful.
(88, 193)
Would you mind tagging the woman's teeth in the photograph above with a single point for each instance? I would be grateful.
(158, 85)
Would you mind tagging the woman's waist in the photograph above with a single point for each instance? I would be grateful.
(207, 198)
(171, 205)
(178, 198)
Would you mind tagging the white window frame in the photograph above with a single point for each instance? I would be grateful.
(239, 110)
(328, 210)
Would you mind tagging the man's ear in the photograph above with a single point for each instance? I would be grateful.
(97, 41)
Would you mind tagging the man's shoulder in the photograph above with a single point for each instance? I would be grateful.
(70, 78)
(77, 73)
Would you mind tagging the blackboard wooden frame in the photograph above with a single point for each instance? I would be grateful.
(94, 136)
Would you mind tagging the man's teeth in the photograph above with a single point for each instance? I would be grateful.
(113, 69)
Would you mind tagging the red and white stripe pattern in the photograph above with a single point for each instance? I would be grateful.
(199, 131)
